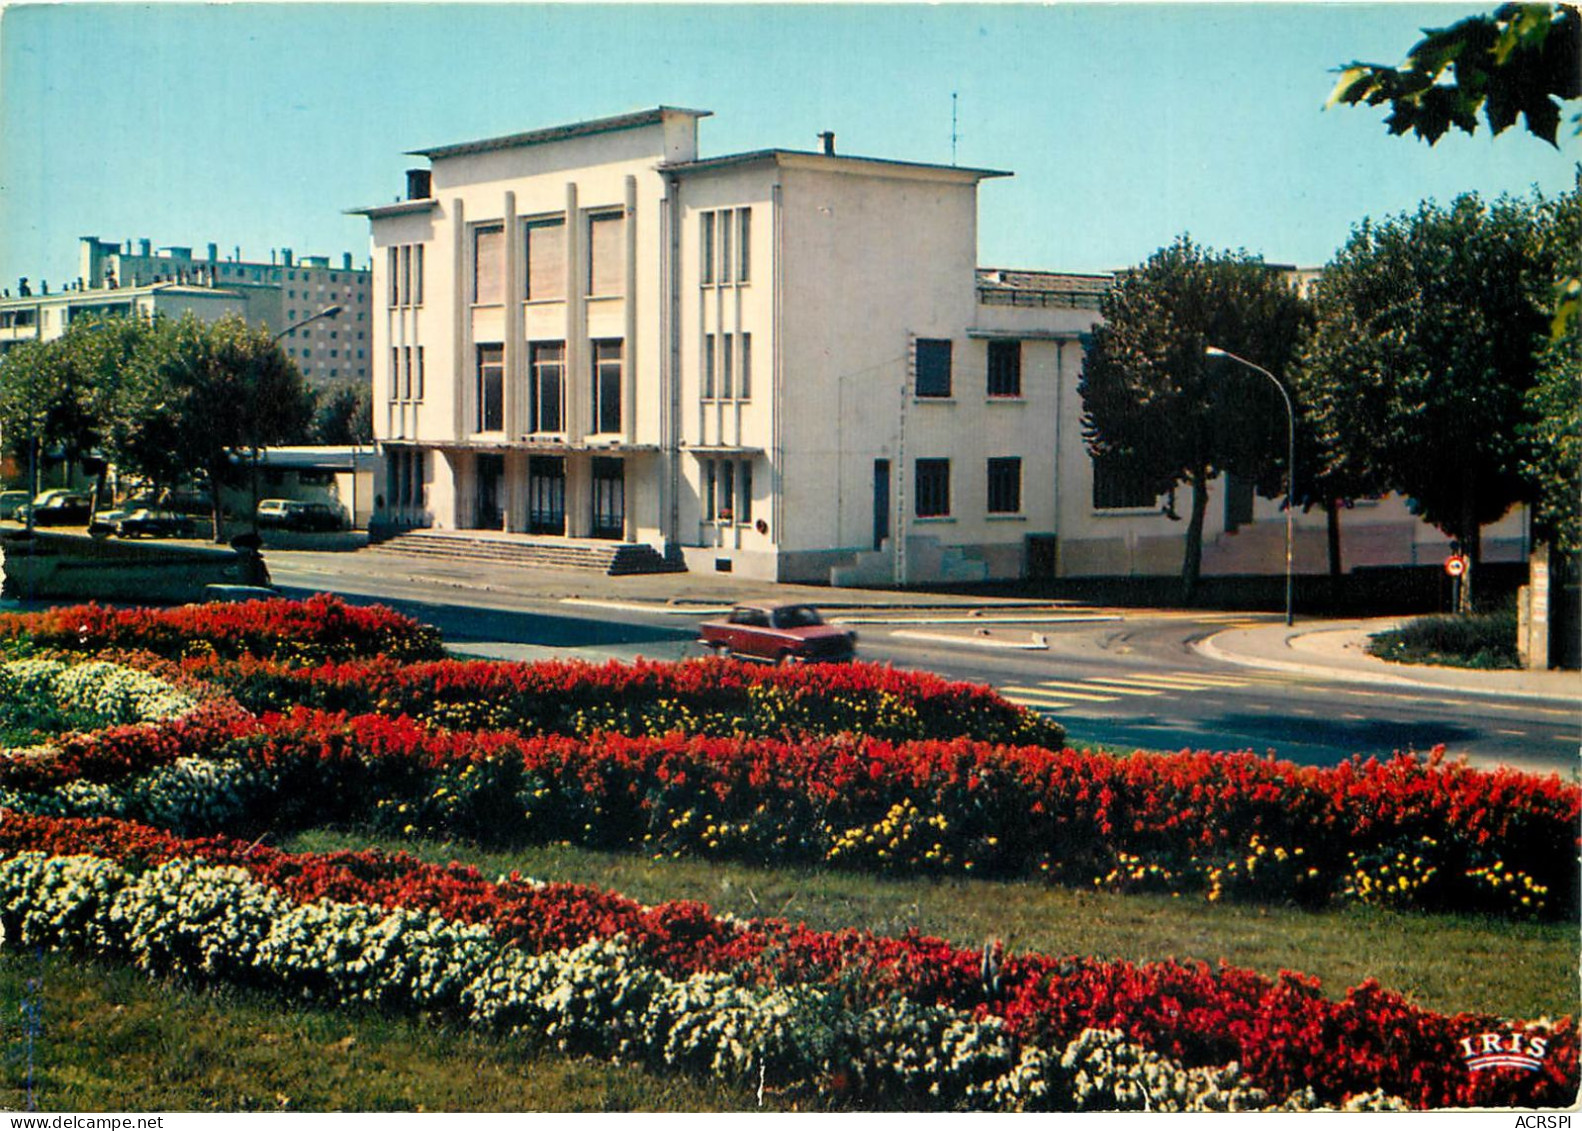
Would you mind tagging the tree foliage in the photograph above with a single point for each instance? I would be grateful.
(1155, 405)
(1553, 463)
(343, 413)
(1521, 61)
(1418, 372)
(202, 395)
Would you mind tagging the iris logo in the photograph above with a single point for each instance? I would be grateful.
(1504, 1050)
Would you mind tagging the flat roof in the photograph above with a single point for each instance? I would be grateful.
(630, 121)
(398, 208)
(760, 156)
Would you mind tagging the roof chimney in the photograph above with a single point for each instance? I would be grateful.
(419, 184)
(828, 138)
(346, 261)
(214, 252)
(145, 247)
(286, 257)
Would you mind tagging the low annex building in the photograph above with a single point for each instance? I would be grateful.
(779, 363)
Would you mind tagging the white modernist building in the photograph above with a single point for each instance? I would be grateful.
(781, 364)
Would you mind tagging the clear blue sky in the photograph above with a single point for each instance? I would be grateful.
(1126, 125)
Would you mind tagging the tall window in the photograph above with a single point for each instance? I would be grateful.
(1005, 369)
(491, 388)
(1005, 485)
(744, 263)
(727, 218)
(417, 393)
(607, 386)
(606, 254)
(545, 250)
(933, 367)
(744, 388)
(708, 366)
(406, 274)
(395, 372)
(547, 362)
(406, 372)
(395, 277)
(488, 265)
(727, 360)
(706, 249)
(1117, 486)
(933, 488)
(417, 275)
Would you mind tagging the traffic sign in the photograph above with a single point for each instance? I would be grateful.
(1456, 565)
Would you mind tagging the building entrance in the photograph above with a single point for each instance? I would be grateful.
(491, 479)
(609, 498)
(546, 495)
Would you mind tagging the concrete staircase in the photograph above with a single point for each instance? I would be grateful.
(528, 552)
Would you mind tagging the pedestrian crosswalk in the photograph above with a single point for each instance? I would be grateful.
(1060, 694)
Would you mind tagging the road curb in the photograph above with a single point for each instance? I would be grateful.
(1212, 651)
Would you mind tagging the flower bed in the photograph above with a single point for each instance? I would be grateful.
(1406, 832)
(519, 955)
(720, 697)
(316, 630)
(843, 765)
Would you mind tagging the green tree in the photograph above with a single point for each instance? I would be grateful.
(202, 397)
(343, 414)
(27, 385)
(1155, 406)
(1553, 464)
(1417, 374)
(1519, 61)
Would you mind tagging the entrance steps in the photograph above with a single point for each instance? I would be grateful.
(530, 552)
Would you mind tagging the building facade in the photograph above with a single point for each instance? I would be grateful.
(779, 364)
(120, 279)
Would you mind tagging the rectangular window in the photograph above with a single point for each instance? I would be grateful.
(708, 367)
(491, 388)
(1117, 486)
(726, 218)
(933, 367)
(1005, 369)
(933, 488)
(417, 393)
(1005, 485)
(417, 276)
(745, 493)
(743, 243)
(395, 372)
(710, 476)
(545, 249)
(725, 503)
(395, 277)
(607, 386)
(406, 274)
(606, 254)
(745, 388)
(488, 265)
(547, 362)
(406, 371)
(727, 356)
(706, 248)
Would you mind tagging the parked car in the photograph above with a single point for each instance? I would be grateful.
(146, 523)
(778, 632)
(292, 514)
(13, 505)
(61, 509)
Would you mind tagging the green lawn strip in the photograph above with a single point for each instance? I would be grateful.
(114, 1040)
(1445, 963)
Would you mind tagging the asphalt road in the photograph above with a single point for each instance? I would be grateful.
(1133, 683)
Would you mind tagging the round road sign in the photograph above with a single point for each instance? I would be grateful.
(1455, 565)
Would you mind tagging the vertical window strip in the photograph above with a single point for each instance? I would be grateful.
(708, 367)
(706, 248)
(725, 245)
(743, 243)
(709, 477)
(746, 492)
(606, 254)
(419, 394)
(417, 275)
(488, 265)
(727, 356)
(745, 386)
(395, 276)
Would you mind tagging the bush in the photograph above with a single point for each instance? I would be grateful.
(1483, 640)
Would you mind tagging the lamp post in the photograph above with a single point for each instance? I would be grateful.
(327, 312)
(1290, 466)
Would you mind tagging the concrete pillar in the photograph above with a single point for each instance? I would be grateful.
(1532, 612)
(629, 345)
(462, 365)
(575, 400)
(513, 379)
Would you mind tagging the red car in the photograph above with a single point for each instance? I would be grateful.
(779, 633)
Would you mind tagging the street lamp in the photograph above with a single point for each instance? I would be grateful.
(327, 312)
(1290, 465)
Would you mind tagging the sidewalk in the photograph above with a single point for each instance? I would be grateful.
(1337, 650)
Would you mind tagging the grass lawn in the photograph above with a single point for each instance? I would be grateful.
(1445, 963)
(114, 1040)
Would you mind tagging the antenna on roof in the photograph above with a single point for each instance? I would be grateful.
(953, 127)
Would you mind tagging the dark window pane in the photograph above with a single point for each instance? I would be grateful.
(1005, 369)
(933, 488)
(1005, 486)
(933, 367)
(491, 388)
